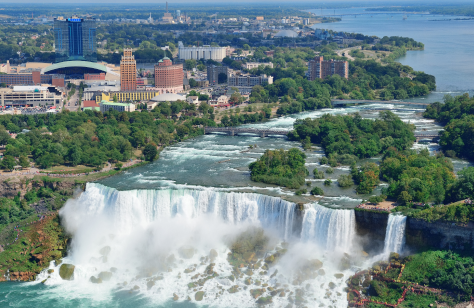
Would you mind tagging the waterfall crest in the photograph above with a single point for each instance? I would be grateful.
(128, 209)
(395, 234)
(331, 229)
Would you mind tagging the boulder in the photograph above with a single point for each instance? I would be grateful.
(199, 296)
(105, 251)
(321, 272)
(105, 276)
(150, 284)
(95, 280)
(213, 255)
(332, 285)
(339, 275)
(175, 297)
(186, 252)
(66, 271)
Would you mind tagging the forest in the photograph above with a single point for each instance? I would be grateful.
(92, 138)
(457, 113)
(280, 167)
(351, 134)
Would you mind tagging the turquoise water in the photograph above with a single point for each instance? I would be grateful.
(217, 166)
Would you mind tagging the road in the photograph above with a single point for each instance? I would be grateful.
(346, 51)
(71, 104)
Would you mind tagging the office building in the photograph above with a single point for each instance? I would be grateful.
(205, 52)
(75, 39)
(35, 78)
(248, 81)
(168, 76)
(30, 96)
(213, 72)
(128, 71)
(100, 76)
(320, 68)
(120, 107)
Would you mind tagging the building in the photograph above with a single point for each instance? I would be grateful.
(213, 72)
(168, 97)
(168, 76)
(193, 100)
(75, 69)
(259, 18)
(90, 105)
(75, 39)
(221, 101)
(205, 52)
(30, 96)
(249, 81)
(120, 107)
(5, 67)
(126, 96)
(35, 78)
(167, 17)
(320, 68)
(100, 76)
(251, 65)
(128, 71)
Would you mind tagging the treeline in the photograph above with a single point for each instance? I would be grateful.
(351, 134)
(458, 115)
(93, 138)
(399, 41)
(368, 80)
(460, 9)
(280, 167)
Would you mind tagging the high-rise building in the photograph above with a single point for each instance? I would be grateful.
(75, 39)
(320, 68)
(128, 71)
(168, 76)
(213, 72)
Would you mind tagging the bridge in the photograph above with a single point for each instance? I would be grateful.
(232, 131)
(427, 136)
(354, 101)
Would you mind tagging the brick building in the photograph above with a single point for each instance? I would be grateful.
(168, 76)
(320, 68)
(35, 78)
(128, 71)
(100, 76)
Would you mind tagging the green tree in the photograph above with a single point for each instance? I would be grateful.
(8, 163)
(150, 152)
(24, 162)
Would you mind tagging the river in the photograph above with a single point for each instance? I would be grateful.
(203, 184)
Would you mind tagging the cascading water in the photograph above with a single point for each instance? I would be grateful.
(129, 209)
(395, 234)
(158, 245)
(330, 229)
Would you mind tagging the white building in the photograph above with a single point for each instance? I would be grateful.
(205, 52)
(251, 65)
(30, 96)
(193, 100)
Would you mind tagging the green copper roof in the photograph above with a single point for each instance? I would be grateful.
(115, 104)
(66, 64)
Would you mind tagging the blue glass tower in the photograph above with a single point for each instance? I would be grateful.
(74, 39)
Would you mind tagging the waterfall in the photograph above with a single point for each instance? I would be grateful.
(128, 209)
(395, 234)
(331, 229)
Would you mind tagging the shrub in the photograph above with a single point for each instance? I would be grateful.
(329, 171)
(300, 192)
(345, 181)
(318, 174)
(328, 182)
(323, 160)
(317, 191)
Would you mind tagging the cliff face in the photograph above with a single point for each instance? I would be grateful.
(10, 187)
(371, 224)
(371, 227)
(440, 235)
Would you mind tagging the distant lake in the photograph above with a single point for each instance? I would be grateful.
(448, 50)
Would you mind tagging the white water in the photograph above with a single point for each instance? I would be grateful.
(333, 230)
(395, 234)
(144, 227)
